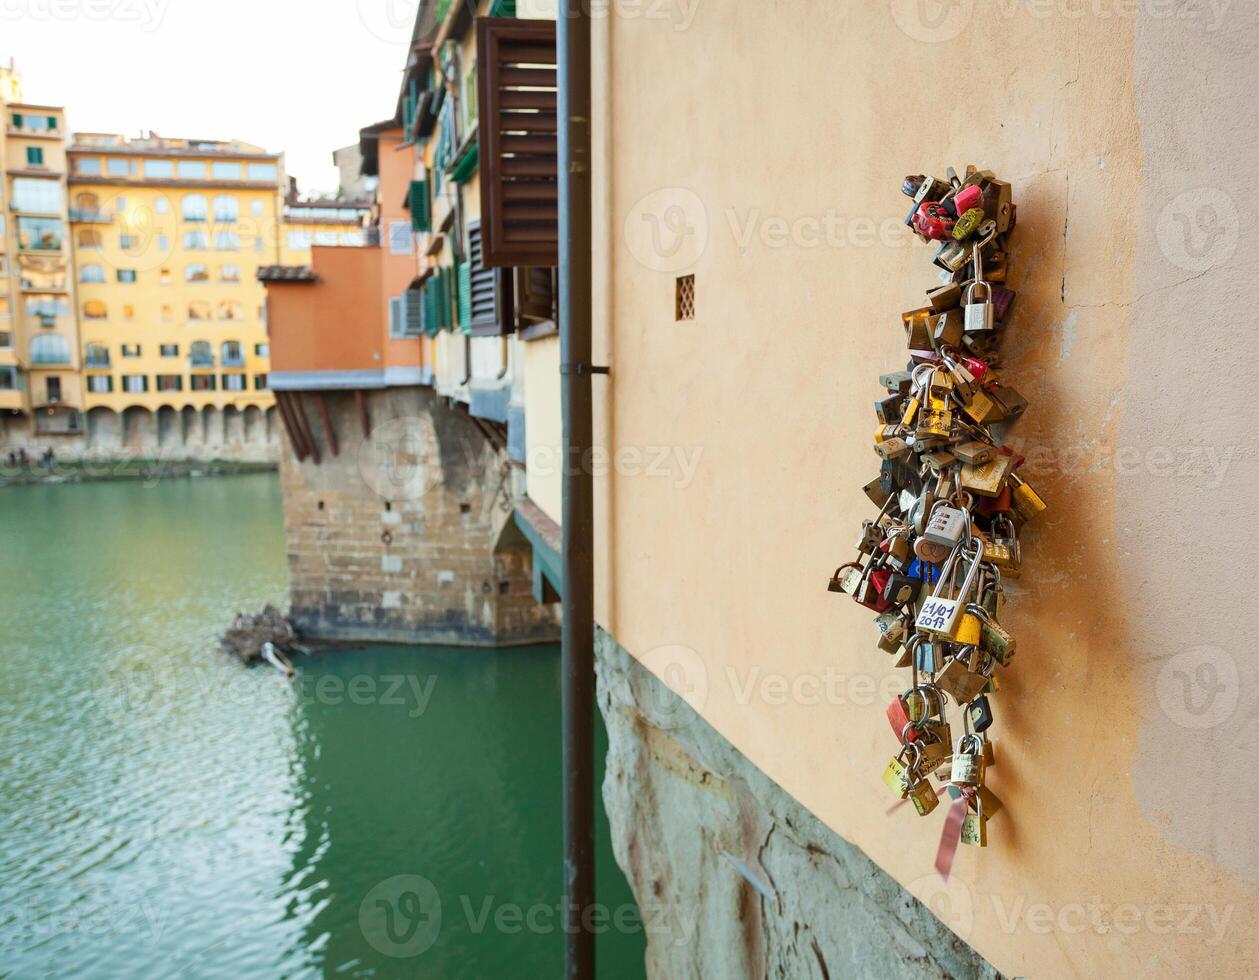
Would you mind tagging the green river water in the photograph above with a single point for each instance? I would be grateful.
(165, 812)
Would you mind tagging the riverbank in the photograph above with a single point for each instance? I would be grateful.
(147, 470)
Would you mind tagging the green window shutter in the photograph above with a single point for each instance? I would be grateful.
(418, 202)
(448, 297)
(503, 8)
(17, 120)
(52, 122)
(34, 155)
(430, 309)
(465, 296)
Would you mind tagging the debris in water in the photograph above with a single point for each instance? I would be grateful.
(244, 639)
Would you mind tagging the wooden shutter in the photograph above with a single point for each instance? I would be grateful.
(418, 204)
(519, 148)
(489, 290)
(535, 295)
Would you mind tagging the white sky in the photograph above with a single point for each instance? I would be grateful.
(294, 76)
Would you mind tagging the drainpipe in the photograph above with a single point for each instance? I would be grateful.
(573, 62)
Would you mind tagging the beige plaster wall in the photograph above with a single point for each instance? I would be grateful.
(543, 424)
(761, 147)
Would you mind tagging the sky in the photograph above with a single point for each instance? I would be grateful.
(294, 76)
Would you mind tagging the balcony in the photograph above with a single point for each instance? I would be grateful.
(233, 362)
(53, 358)
(90, 216)
(96, 362)
(201, 360)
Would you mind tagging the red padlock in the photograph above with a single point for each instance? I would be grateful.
(967, 198)
(1000, 504)
(934, 221)
(977, 368)
(898, 717)
(875, 600)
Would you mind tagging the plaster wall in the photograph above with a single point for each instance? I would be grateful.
(761, 148)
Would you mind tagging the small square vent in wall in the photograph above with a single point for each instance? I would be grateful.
(684, 300)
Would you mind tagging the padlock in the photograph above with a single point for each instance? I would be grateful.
(874, 490)
(959, 682)
(923, 795)
(967, 198)
(992, 506)
(898, 717)
(899, 589)
(896, 382)
(933, 221)
(896, 547)
(946, 297)
(946, 526)
(924, 571)
(974, 453)
(1001, 300)
(935, 424)
(946, 329)
(1027, 501)
(975, 826)
(998, 204)
(893, 448)
(940, 613)
(922, 704)
(966, 225)
(986, 798)
(979, 713)
(980, 314)
(895, 775)
(1009, 402)
(988, 478)
(924, 189)
(994, 639)
(847, 578)
(889, 409)
(917, 328)
(871, 596)
(891, 625)
(967, 761)
(939, 460)
(871, 537)
(977, 368)
(953, 256)
(969, 629)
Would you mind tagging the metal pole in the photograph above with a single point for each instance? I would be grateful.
(575, 311)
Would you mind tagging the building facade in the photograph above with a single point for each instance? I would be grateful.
(41, 392)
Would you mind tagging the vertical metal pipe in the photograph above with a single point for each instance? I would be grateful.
(573, 56)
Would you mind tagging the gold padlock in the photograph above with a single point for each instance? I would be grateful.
(1026, 500)
(975, 828)
(968, 761)
(924, 798)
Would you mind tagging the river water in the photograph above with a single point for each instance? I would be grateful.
(166, 812)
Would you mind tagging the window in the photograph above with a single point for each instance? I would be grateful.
(227, 241)
(201, 382)
(8, 378)
(191, 168)
(263, 171)
(135, 384)
(89, 238)
(225, 208)
(89, 166)
(260, 382)
(395, 316)
(325, 238)
(159, 170)
(163, 243)
(130, 350)
(100, 384)
(229, 310)
(39, 233)
(401, 241)
(233, 382)
(95, 309)
(299, 240)
(198, 311)
(91, 273)
(115, 167)
(233, 353)
(197, 272)
(86, 202)
(126, 275)
(256, 208)
(170, 382)
(120, 205)
(47, 307)
(161, 205)
(34, 156)
(229, 273)
(52, 389)
(96, 355)
(194, 241)
(126, 242)
(352, 238)
(193, 207)
(50, 348)
(262, 350)
(222, 170)
(34, 194)
(201, 354)
(468, 103)
(169, 350)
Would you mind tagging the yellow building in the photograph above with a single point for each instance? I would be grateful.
(168, 235)
(40, 391)
(321, 221)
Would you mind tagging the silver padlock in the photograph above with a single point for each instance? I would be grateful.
(980, 314)
(947, 526)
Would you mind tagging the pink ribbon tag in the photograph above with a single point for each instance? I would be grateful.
(951, 835)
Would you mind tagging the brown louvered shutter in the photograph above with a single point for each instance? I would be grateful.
(536, 289)
(490, 290)
(518, 135)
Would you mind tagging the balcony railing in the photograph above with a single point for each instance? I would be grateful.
(97, 361)
(50, 358)
(201, 360)
(91, 216)
(234, 362)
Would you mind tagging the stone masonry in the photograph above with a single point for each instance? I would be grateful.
(405, 535)
(735, 878)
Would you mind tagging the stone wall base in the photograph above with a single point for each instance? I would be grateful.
(733, 876)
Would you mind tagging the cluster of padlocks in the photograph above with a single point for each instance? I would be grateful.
(951, 503)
